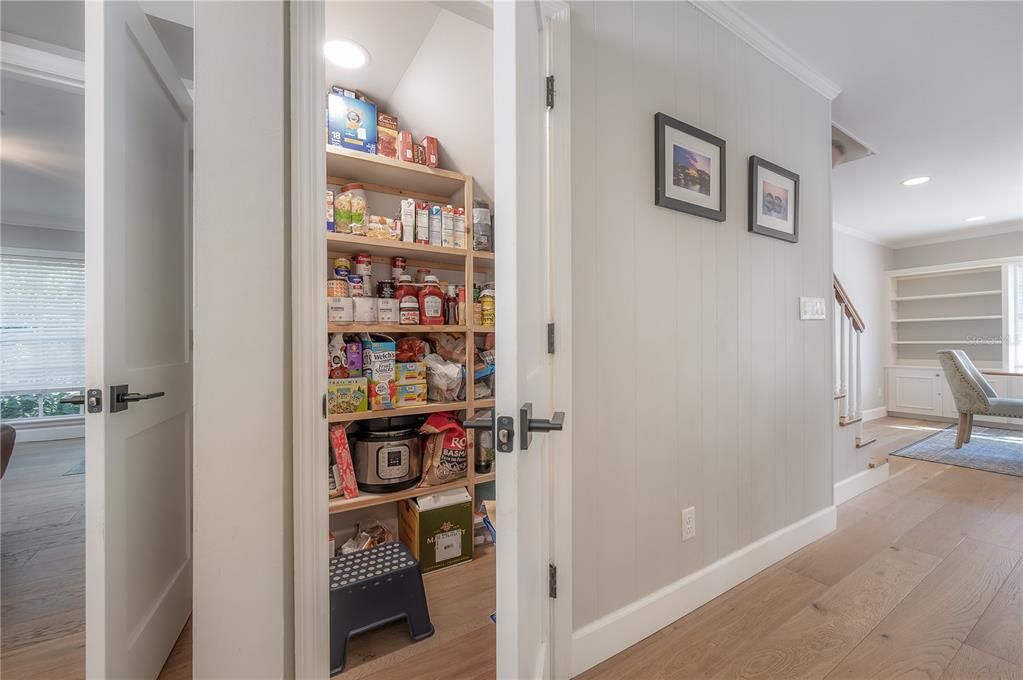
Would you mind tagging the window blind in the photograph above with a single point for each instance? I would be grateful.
(42, 323)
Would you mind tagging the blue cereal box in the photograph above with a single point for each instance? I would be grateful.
(351, 123)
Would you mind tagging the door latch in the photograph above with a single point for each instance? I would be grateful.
(503, 428)
(92, 400)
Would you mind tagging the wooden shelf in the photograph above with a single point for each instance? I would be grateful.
(950, 318)
(351, 243)
(368, 500)
(943, 296)
(484, 403)
(946, 342)
(412, 178)
(389, 329)
(483, 479)
(396, 412)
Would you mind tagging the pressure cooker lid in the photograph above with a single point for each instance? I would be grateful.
(397, 426)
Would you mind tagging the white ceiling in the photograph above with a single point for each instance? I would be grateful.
(936, 88)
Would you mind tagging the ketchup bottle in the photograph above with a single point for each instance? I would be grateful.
(431, 302)
(408, 300)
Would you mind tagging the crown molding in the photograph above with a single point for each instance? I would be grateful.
(728, 15)
(861, 235)
(963, 234)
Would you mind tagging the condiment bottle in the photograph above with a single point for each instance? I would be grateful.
(451, 306)
(431, 302)
(408, 301)
(461, 305)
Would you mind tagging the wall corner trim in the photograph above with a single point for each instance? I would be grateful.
(624, 627)
(850, 487)
(735, 20)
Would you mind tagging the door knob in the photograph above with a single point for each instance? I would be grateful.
(120, 397)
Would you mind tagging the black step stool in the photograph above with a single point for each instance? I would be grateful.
(372, 588)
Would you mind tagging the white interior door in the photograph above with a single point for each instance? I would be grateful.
(523, 310)
(138, 254)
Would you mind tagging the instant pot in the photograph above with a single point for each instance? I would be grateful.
(388, 455)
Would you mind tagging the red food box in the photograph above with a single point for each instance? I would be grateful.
(343, 459)
(387, 135)
(429, 145)
(406, 147)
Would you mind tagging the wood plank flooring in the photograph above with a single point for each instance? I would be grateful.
(922, 578)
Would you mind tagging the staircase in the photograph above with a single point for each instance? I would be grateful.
(849, 329)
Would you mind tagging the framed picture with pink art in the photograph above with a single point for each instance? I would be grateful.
(773, 200)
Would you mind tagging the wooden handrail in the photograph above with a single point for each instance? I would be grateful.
(848, 306)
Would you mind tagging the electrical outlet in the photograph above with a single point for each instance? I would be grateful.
(688, 523)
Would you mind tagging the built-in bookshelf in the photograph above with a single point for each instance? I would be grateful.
(958, 307)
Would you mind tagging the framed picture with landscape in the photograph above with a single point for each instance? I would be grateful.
(689, 169)
(773, 200)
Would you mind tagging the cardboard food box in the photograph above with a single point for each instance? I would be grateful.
(430, 149)
(346, 395)
(387, 135)
(418, 154)
(330, 210)
(437, 529)
(411, 394)
(351, 123)
(406, 147)
(410, 372)
(378, 367)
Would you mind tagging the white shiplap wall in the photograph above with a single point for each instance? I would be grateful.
(695, 382)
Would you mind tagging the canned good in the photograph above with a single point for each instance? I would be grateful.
(338, 288)
(363, 264)
(342, 267)
(357, 286)
(385, 288)
(398, 267)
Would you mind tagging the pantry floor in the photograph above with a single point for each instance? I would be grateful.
(461, 600)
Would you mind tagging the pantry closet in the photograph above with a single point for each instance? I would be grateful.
(408, 346)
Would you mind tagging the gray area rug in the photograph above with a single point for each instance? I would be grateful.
(992, 449)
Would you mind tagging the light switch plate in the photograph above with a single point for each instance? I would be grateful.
(812, 308)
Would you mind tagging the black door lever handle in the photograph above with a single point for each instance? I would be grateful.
(135, 396)
(76, 399)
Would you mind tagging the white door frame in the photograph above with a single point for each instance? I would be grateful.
(308, 319)
(308, 184)
(557, 16)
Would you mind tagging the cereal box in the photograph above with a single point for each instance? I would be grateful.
(342, 460)
(406, 147)
(410, 372)
(346, 395)
(351, 123)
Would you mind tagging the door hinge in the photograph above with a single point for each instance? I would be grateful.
(325, 407)
(550, 92)
(552, 581)
(550, 338)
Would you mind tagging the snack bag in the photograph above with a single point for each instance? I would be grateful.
(342, 458)
(444, 456)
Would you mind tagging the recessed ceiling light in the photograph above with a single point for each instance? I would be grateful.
(346, 54)
(975, 218)
(913, 181)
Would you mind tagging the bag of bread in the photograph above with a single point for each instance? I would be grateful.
(444, 455)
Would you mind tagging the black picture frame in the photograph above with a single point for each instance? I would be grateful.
(662, 122)
(756, 225)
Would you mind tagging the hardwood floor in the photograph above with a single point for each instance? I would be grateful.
(923, 578)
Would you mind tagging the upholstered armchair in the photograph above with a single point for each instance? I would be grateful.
(973, 394)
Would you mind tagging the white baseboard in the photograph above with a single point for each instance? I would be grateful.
(624, 627)
(850, 487)
(875, 413)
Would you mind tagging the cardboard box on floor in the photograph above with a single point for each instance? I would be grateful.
(437, 528)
